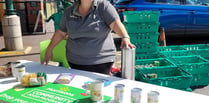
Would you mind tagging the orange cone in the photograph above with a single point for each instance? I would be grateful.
(162, 39)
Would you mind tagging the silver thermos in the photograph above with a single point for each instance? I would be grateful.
(128, 63)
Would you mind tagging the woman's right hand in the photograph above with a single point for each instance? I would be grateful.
(48, 57)
(57, 37)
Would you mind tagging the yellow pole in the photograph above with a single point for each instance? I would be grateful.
(22, 52)
(1, 9)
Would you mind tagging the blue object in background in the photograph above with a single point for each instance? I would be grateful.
(106, 82)
(180, 18)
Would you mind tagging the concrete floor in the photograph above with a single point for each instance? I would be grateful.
(33, 40)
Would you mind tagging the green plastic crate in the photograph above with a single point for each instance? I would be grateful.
(170, 48)
(144, 37)
(148, 55)
(188, 60)
(142, 27)
(207, 58)
(168, 54)
(202, 52)
(195, 65)
(172, 77)
(150, 63)
(146, 47)
(141, 16)
(200, 79)
(195, 47)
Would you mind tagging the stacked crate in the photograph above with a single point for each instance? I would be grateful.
(34, 9)
(151, 66)
(192, 59)
(142, 27)
(198, 49)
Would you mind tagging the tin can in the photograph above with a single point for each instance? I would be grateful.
(152, 75)
(42, 81)
(128, 63)
(42, 78)
(96, 90)
(13, 65)
(136, 95)
(119, 93)
(153, 97)
(20, 71)
(156, 63)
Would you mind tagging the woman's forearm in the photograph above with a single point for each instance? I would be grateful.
(57, 37)
(119, 28)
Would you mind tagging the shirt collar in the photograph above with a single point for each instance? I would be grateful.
(75, 10)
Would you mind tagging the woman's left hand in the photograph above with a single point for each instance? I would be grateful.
(125, 43)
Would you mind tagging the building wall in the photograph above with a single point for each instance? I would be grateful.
(30, 12)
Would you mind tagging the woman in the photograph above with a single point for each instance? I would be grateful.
(90, 45)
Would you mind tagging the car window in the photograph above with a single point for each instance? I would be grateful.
(165, 1)
(112, 1)
(197, 2)
(120, 2)
(173, 2)
(190, 2)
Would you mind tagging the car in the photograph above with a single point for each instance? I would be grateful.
(179, 18)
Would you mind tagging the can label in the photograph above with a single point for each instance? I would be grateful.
(96, 90)
(41, 80)
(34, 82)
(153, 97)
(136, 95)
(20, 71)
(119, 93)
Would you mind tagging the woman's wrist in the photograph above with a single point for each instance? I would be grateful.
(125, 36)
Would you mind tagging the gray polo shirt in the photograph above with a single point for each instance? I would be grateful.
(90, 40)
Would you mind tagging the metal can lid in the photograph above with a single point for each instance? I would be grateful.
(120, 85)
(98, 81)
(16, 62)
(153, 93)
(20, 66)
(136, 89)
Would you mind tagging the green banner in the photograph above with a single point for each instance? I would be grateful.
(50, 93)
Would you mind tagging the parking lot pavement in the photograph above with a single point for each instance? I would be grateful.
(32, 40)
(29, 40)
(202, 90)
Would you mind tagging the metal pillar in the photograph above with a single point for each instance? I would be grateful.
(9, 7)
